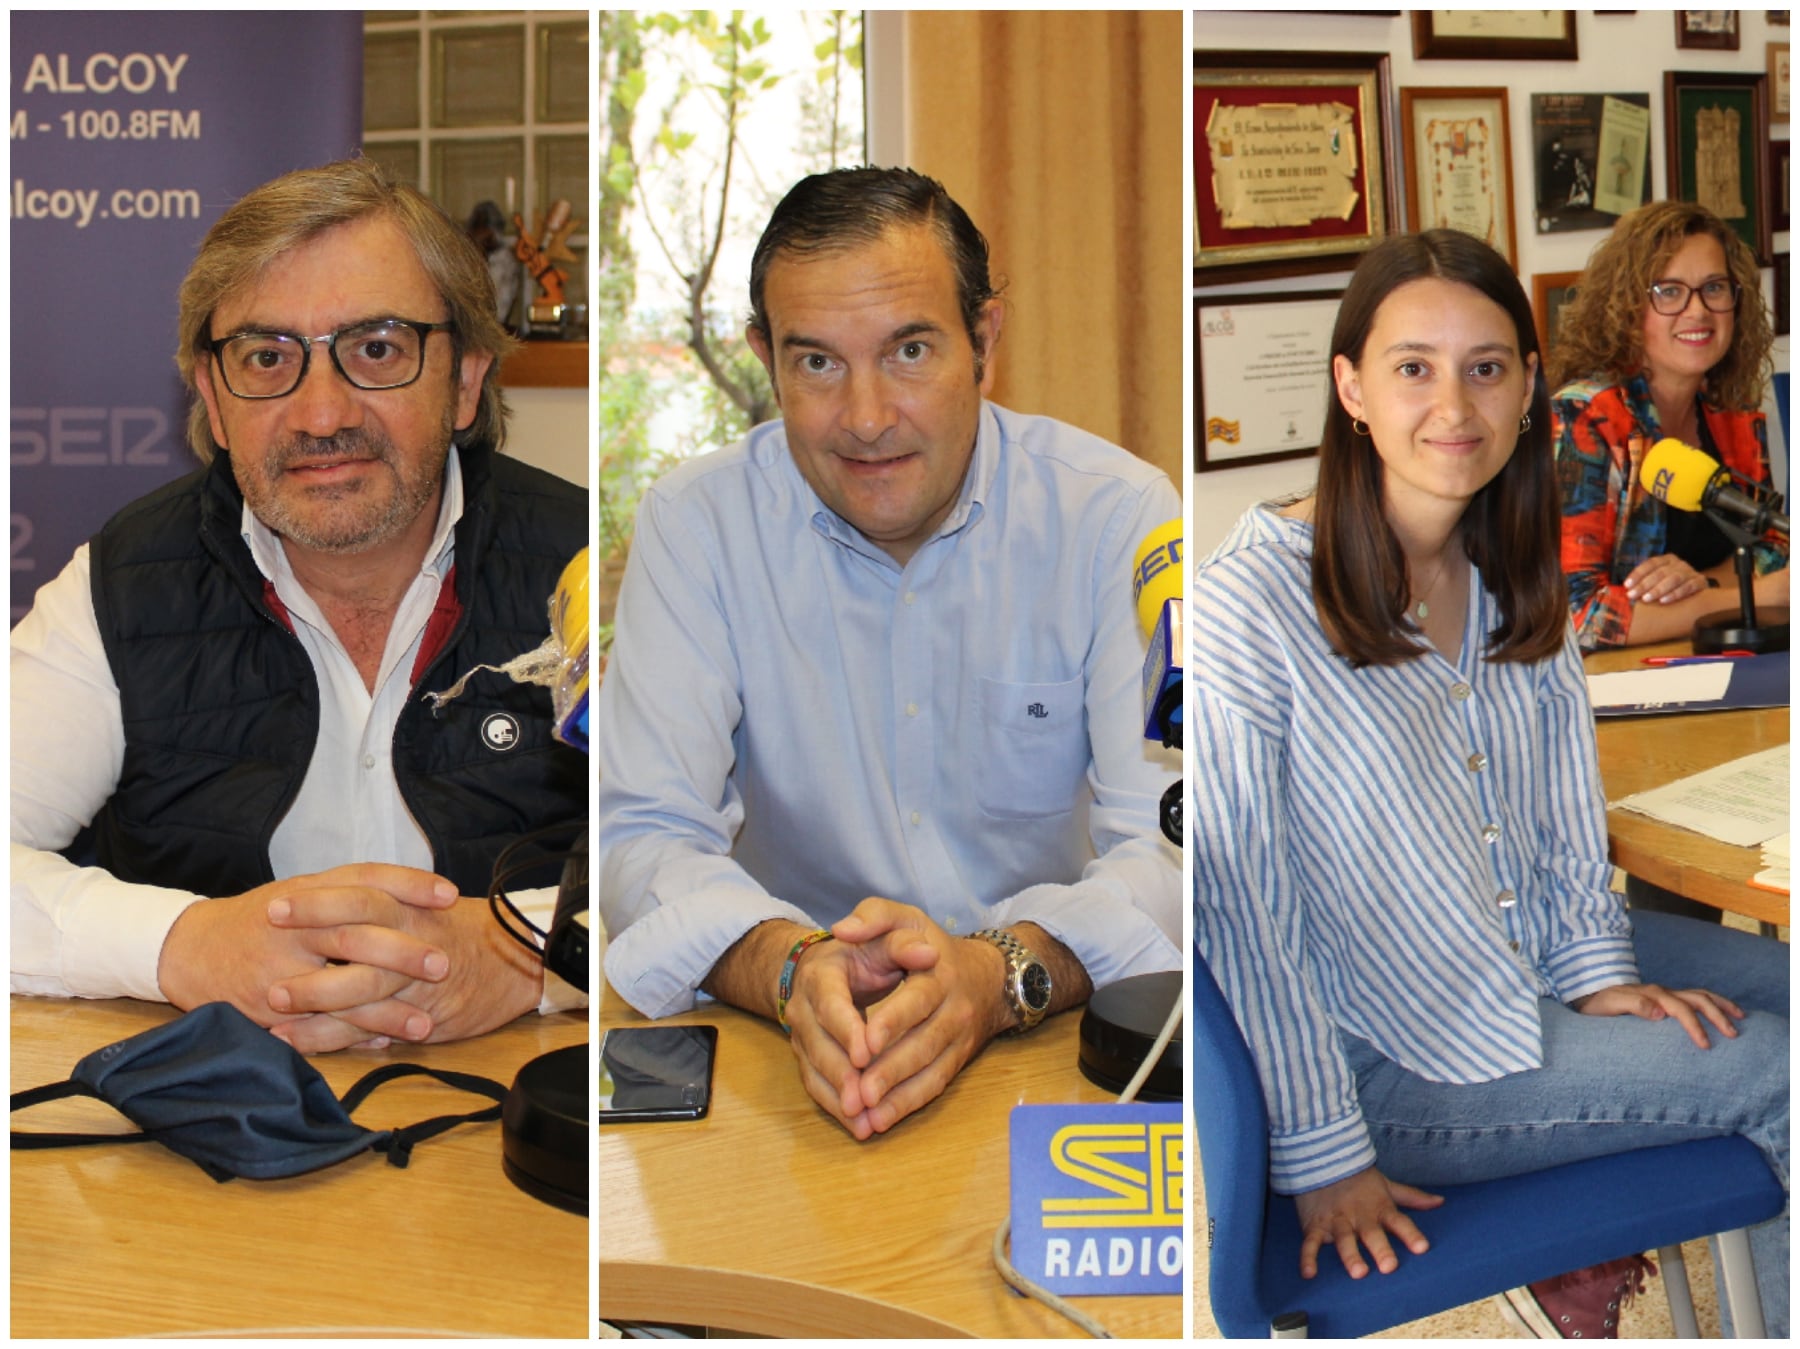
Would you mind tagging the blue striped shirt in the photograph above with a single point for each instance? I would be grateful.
(793, 721)
(1412, 854)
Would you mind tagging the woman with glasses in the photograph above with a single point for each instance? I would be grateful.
(1667, 336)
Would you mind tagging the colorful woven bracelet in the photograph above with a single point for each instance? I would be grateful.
(785, 989)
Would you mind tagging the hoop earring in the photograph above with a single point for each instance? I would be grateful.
(1525, 423)
(1358, 425)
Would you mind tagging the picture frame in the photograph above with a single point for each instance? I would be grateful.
(1777, 56)
(1778, 186)
(1294, 163)
(1262, 376)
(1713, 30)
(1550, 291)
(1459, 164)
(1590, 159)
(1494, 35)
(1726, 114)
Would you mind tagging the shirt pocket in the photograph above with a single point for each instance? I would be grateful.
(1033, 753)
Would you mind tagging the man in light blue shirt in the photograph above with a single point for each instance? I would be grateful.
(877, 667)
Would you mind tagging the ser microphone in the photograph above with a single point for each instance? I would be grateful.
(1156, 590)
(1678, 475)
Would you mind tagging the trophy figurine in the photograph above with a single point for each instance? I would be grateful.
(540, 250)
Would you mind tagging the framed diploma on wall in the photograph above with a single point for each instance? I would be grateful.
(1294, 169)
(1262, 376)
(1718, 137)
(1459, 164)
(1494, 35)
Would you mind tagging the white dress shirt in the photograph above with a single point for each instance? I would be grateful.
(81, 932)
(792, 721)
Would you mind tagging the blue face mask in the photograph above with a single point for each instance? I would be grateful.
(220, 1090)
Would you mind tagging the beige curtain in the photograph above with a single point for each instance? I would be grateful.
(1060, 133)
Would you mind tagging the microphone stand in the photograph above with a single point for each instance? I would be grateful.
(1739, 630)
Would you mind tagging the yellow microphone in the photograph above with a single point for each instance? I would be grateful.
(1156, 578)
(1156, 573)
(1678, 475)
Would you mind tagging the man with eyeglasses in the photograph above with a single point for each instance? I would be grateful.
(226, 682)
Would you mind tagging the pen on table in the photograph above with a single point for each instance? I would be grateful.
(1697, 660)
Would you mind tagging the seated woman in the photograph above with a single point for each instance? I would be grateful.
(1400, 847)
(1667, 336)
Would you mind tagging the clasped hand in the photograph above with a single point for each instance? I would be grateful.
(356, 955)
(884, 1017)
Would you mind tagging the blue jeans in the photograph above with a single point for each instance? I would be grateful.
(1612, 1084)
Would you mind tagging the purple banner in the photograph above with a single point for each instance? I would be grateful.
(131, 134)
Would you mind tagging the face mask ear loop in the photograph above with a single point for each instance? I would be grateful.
(26, 1140)
(398, 1144)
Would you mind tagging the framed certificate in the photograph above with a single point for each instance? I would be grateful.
(1262, 377)
(1494, 35)
(1718, 133)
(1294, 169)
(1459, 164)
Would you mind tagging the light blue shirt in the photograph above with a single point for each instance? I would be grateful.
(791, 721)
(1415, 853)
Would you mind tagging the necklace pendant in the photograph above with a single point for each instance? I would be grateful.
(1422, 611)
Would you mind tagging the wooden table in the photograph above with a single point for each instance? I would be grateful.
(768, 1217)
(134, 1240)
(1639, 753)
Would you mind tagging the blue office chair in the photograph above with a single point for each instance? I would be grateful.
(1487, 1237)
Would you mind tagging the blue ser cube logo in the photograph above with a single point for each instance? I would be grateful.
(1099, 1198)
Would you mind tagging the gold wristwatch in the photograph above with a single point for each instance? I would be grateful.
(1027, 986)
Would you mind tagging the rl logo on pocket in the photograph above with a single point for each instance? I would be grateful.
(1099, 1197)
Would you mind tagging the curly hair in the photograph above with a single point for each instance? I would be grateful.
(1601, 331)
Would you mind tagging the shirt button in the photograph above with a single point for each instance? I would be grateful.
(915, 817)
(1515, 946)
(1460, 692)
(909, 597)
(368, 761)
(1506, 899)
(912, 709)
(949, 925)
(1490, 833)
(1477, 762)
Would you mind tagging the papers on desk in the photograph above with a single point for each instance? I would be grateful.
(1776, 864)
(1705, 686)
(1659, 687)
(1744, 802)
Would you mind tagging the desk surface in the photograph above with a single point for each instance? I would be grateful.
(1638, 753)
(767, 1217)
(114, 1241)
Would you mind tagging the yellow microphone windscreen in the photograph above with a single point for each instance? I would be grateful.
(1156, 572)
(1677, 474)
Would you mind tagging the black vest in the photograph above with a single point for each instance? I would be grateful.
(221, 707)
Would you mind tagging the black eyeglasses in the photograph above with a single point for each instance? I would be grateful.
(1671, 297)
(377, 354)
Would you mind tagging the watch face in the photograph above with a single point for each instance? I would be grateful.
(1034, 987)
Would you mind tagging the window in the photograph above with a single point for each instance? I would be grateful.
(484, 106)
